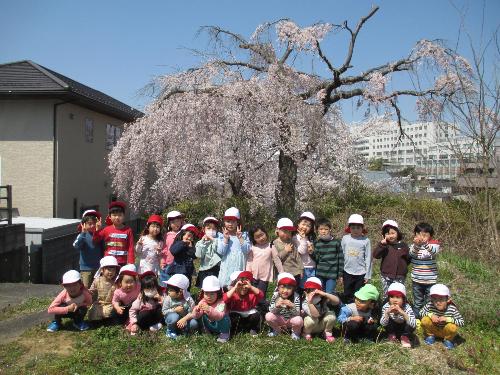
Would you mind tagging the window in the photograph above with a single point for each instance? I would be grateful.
(113, 134)
(89, 130)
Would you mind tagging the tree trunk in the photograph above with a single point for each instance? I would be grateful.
(285, 191)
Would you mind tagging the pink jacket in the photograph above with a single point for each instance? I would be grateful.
(119, 296)
(216, 312)
(166, 256)
(140, 305)
(84, 299)
(261, 260)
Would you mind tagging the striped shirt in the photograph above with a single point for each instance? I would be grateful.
(423, 260)
(329, 258)
(398, 318)
(451, 313)
(118, 242)
(285, 312)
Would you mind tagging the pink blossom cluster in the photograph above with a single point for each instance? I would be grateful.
(375, 88)
(302, 38)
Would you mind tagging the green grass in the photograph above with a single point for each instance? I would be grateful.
(32, 304)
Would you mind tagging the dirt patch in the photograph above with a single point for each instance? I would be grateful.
(42, 343)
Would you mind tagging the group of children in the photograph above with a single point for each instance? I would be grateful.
(236, 268)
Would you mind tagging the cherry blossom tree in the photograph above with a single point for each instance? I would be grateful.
(248, 121)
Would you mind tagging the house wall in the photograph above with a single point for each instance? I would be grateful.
(26, 152)
(82, 179)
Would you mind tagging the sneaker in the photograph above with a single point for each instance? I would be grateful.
(82, 326)
(429, 340)
(308, 337)
(392, 337)
(405, 342)
(155, 327)
(133, 333)
(295, 336)
(171, 334)
(53, 327)
(272, 334)
(223, 337)
(254, 333)
(448, 344)
(329, 338)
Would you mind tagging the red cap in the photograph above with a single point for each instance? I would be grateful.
(155, 219)
(312, 285)
(147, 273)
(395, 293)
(129, 273)
(245, 274)
(120, 204)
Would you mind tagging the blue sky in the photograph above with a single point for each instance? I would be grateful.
(119, 46)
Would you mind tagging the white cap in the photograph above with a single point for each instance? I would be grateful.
(210, 284)
(397, 287)
(234, 276)
(107, 261)
(232, 213)
(129, 268)
(188, 226)
(210, 219)
(173, 215)
(391, 223)
(285, 224)
(307, 215)
(70, 277)
(439, 290)
(178, 280)
(356, 219)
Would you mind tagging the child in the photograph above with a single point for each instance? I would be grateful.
(150, 244)
(175, 221)
(90, 252)
(118, 238)
(359, 318)
(212, 310)
(394, 254)
(102, 289)
(261, 258)
(357, 257)
(184, 252)
(304, 239)
(71, 303)
(284, 309)
(145, 311)
(318, 317)
(232, 246)
(397, 315)
(206, 250)
(440, 317)
(424, 272)
(177, 304)
(287, 249)
(328, 256)
(126, 292)
(241, 301)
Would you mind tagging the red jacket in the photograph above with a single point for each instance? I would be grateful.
(243, 303)
(118, 243)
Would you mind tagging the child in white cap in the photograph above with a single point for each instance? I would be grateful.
(397, 316)
(212, 310)
(318, 316)
(440, 317)
(206, 251)
(177, 304)
(233, 246)
(284, 308)
(287, 249)
(127, 290)
(71, 303)
(102, 289)
(304, 238)
(175, 221)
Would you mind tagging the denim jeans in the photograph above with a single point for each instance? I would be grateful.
(329, 285)
(171, 320)
(217, 326)
(308, 272)
(420, 296)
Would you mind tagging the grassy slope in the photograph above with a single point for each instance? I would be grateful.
(109, 350)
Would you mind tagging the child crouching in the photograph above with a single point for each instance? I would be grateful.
(359, 318)
(440, 317)
(397, 315)
(71, 303)
(177, 304)
(102, 289)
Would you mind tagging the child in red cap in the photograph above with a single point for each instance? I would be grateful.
(149, 246)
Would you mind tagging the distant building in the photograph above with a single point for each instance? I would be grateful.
(473, 177)
(55, 135)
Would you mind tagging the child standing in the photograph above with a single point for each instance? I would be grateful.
(284, 309)
(127, 290)
(233, 246)
(394, 254)
(241, 301)
(357, 257)
(177, 304)
(305, 239)
(206, 250)
(175, 221)
(440, 317)
(318, 318)
(71, 303)
(183, 251)
(102, 289)
(397, 315)
(118, 237)
(424, 272)
(287, 249)
(261, 258)
(90, 252)
(145, 311)
(328, 256)
(212, 310)
(359, 319)
(150, 244)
